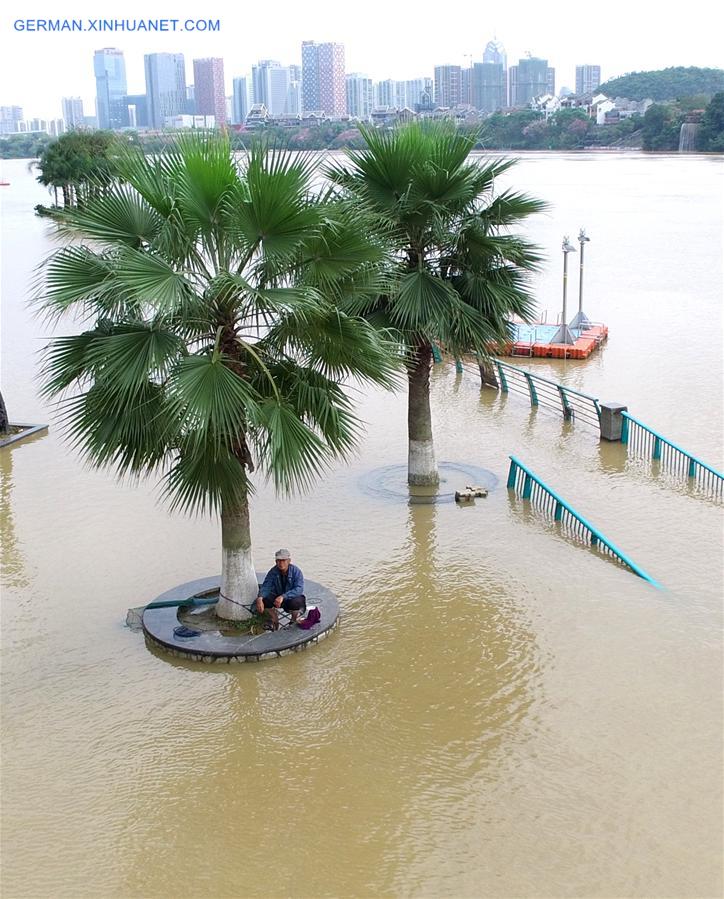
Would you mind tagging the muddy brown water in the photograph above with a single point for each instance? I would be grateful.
(501, 712)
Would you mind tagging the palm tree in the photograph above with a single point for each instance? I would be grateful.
(456, 273)
(216, 343)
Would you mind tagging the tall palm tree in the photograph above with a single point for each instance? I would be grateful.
(216, 342)
(457, 275)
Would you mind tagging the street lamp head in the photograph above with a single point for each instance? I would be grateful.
(568, 246)
(582, 235)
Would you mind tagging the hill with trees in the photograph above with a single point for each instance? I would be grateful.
(666, 84)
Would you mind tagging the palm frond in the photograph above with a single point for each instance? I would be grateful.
(213, 401)
(204, 478)
(147, 278)
(120, 217)
(77, 277)
(292, 454)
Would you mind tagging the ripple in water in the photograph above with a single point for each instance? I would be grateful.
(390, 483)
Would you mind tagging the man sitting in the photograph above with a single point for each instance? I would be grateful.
(283, 587)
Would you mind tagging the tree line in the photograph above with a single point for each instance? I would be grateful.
(673, 83)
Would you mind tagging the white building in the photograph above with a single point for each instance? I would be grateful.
(360, 95)
(180, 122)
(72, 112)
(241, 100)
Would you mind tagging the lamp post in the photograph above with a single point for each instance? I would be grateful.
(563, 334)
(581, 319)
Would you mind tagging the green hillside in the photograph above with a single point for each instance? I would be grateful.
(666, 84)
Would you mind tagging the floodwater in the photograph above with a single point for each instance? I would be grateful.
(502, 712)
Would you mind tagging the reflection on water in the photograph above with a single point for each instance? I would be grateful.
(389, 483)
(500, 712)
(11, 559)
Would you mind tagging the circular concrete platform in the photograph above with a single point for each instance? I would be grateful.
(216, 645)
(390, 483)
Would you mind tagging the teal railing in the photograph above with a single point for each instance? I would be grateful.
(643, 440)
(531, 487)
(543, 392)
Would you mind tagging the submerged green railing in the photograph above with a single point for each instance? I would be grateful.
(531, 487)
(573, 404)
(640, 438)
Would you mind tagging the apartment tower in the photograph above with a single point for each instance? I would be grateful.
(165, 87)
(209, 94)
(323, 80)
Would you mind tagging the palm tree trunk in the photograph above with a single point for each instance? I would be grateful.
(421, 465)
(239, 586)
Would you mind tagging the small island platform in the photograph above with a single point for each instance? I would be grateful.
(214, 641)
(535, 340)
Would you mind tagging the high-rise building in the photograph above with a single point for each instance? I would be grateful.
(551, 81)
(9, 118)
(241, 100)
(190, 106)
(465, 85)
(323, 82)
(111, 89)
(495, 53)
(531, 78)
(588, 79)
(209, 93)
(360, 95)
(414, 89)
(294, 95)
(271, 83)
(72, 112)
(487, 86)
(448, 85)
(138, 111)
(165, 86)
(385, 93)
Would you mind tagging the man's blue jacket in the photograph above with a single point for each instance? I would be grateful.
(275, 584)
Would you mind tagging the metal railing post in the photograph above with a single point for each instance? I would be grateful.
(527, 486)
(531, 389)
(501, 375)
(567, 410)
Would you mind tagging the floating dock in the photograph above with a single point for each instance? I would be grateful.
(535, 340)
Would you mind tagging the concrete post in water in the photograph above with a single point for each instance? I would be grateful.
(612, 421)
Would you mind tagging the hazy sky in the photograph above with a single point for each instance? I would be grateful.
(383, 38)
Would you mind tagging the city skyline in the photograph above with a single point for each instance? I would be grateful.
(386, 43)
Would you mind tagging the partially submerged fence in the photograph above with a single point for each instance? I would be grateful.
(572, 404)
(531, 487)
(642, 440)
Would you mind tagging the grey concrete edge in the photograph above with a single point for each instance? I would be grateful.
(240, 659)
(28, 432)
